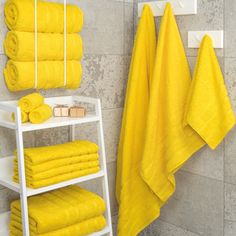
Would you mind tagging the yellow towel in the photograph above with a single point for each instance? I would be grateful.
(83, 228)
(30, 102)
(49, 173)
(40, 114)
(19, 15)
(208, 110)
(19, 46)
(39, 168)
(24, 116)
(21, 75)
(71, 205)
(60, 151)
(137, 204)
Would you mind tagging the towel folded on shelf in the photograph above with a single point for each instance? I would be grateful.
(40, 114)
(29, 102)
(61, 212)
(19, 15)
(24, 116)
(19, 46)
(21, 75)
(49, 165)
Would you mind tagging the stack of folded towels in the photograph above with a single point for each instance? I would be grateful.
(20, 45)
(34, 109)
(49, 165)
(71, 211)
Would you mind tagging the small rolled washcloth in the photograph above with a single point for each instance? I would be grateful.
(72, 205)
(30, 102)
(20, 76)
(19, 46)
(40, 114)
(19, 15)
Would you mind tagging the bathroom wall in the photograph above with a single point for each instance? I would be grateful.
(108, 37)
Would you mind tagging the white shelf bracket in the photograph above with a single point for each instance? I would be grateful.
(195, 38)
(180, 7)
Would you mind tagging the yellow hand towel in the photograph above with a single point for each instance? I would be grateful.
(58, 178)
(30, 102)
(50, 173)
(60, 208)
(20, 76)
(39, 168)
(208, 110)
(60, 151)
(40, 114)
(137, 203)
(19, 46)
(24, 116)
(19, 15)
(83, 228)
(168, 144)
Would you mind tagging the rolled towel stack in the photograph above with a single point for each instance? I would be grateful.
(49, 165)
(20, 45)
(67, 211)
(33, 109)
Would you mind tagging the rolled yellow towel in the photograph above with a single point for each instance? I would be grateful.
(19, 46)
(40, 114)
(30, 102)
(20, 76)
(19, 15)
(24, 116)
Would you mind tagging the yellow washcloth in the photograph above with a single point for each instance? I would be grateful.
(20, 76)
(19, 46)
(24, 116)
(83, 228)
(138, 206)
(209, 110)
(38, 168)
(19, 15)
(72, 205)
(40, 114)
(30, 102)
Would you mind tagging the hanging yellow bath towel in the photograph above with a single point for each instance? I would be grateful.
(138, 205)
(209, 110)
(20, 76)
(19, 15)
(59, 209)
(19, 46)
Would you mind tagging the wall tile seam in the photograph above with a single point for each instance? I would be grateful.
(227, 182)
(230, 221)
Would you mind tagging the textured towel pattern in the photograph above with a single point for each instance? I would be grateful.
(19, 15)
(61, 212)
(40, 114)
(20, 75)
(19, 46)
(29, 102)
(53, 164)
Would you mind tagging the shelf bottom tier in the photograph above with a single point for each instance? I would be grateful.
(5, 219)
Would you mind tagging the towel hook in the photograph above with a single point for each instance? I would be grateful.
(181, 4)
(197, 37)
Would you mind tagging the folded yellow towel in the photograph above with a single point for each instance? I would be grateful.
(209, 111)
(24, 116)
(83, 228)
(19, 46)
(20, 76)
(60, 208)
(42, 167)
(40, 114)
(60, 151)
(137, 203)
(30, 102)
(19, 15)
(50, 173)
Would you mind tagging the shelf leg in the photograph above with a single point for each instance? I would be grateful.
(21, 171)
(103, 166)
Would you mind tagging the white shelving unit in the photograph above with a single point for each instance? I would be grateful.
(6, 164)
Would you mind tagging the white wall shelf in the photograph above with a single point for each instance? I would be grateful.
(6, 164)
(180, 7)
